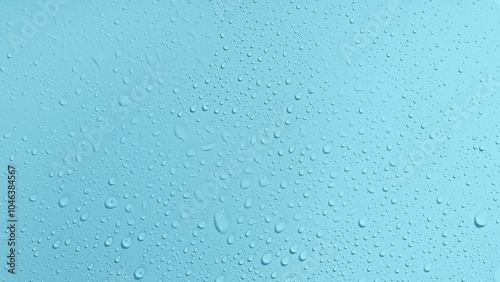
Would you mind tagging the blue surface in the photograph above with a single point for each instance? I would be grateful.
(251, 140)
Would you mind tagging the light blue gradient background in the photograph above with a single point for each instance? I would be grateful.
(238, 140)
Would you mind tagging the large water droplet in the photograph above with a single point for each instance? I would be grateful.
(266, 258)
(63, 202)
(481, 219)
(139, 273)
(279, 226)
(222, 221)
(111, 202)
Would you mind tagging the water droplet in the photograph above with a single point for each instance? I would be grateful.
(303, 255)
(63, 202)
(111, 202)
(126, 242)
(327, 148)
(245, 183)
(56, 244)
(285, 261)
(481, 219)
(180, 133)
(264, 181)
(139, 273)
(363, 221)
(279, 226)
(108, 242)
(123, 100)
(221, 221)
(266, 258)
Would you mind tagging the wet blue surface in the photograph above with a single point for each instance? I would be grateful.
(251, 140)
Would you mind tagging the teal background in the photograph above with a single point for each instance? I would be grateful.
(251, 140)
